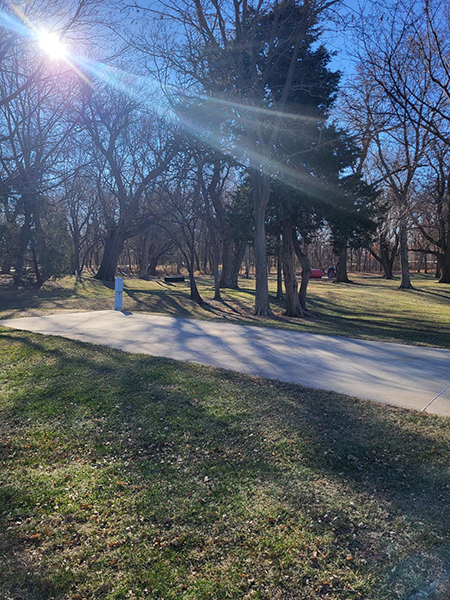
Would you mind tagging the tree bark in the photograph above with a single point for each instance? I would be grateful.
(306, 272)
(237, 262)
(262, 289)
(24, 238)
(445, 272)
(260, 196)
(7, 264)
(76, 242)
(195, 295)
(387, 256)
(341, 267)
(197, 261)
(76, 268)
(37, 273)
(226, 279)
(279, 272)
(293, 306)
(110, 259)
(215, 265)
(43, 273)
(247, 261)
(145, 252)
(404, 258)
(439, 260)
(153, 263)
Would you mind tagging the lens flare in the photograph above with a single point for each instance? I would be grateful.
(52, 45)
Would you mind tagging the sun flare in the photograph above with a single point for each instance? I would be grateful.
(52, 45)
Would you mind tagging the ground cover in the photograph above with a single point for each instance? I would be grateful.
(370, 308)
(131, 477)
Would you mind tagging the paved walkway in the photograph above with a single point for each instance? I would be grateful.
(408, 376)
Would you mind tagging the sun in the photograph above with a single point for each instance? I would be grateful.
(52, 45)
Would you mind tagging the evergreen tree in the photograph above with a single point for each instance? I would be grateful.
(314, 159)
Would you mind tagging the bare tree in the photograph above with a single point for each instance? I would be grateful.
(387, 237)
(36, 121)
(150, 247)
(406, 51)
(67, 19)
(133, 148)
(431, 210)
(35, 130)
(182, 216)
(397, 143)
(79, 196)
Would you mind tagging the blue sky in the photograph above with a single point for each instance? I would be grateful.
(339, 39)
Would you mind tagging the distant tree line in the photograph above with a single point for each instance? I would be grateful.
(210, 135)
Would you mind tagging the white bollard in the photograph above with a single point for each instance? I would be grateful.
(118, 289)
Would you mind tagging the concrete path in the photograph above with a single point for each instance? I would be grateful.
(408, 376)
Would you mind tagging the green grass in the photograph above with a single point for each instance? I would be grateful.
(371, 308)
(131, 477)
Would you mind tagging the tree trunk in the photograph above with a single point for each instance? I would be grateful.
(341, 267)
(439, 263)
(37, 273)
(7, 264)
(358, 266)
(445, 272)
(215, 265)
(195, 296)
(43, 273)
(306, 272)
(386, 258)
(76, 237)
(113, 247)
(24, 238)
(226, 280)
(145, 252)
(153, 263)
(420, 261)
(262, 285)
(237, 262)
(404, 258)
(260, 196)
(205, 257)
(76, 268)
(293, 307)
(279, 272)
(247, 261)
(197, 261)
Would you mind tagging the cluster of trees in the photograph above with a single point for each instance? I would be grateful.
(206, 130)
(398, 107)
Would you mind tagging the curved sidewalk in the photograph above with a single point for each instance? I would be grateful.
(407, 376)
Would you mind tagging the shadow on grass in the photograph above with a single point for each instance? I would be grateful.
(438, 294)
(161, 301)
(328, 459)
(25, 298)
(51, 295)
(378, 325)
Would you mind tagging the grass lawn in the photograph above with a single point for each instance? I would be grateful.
(127, 476)
(371, 308)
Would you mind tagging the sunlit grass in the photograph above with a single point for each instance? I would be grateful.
(371, 308)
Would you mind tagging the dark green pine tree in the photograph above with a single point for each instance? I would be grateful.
(312, 181)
